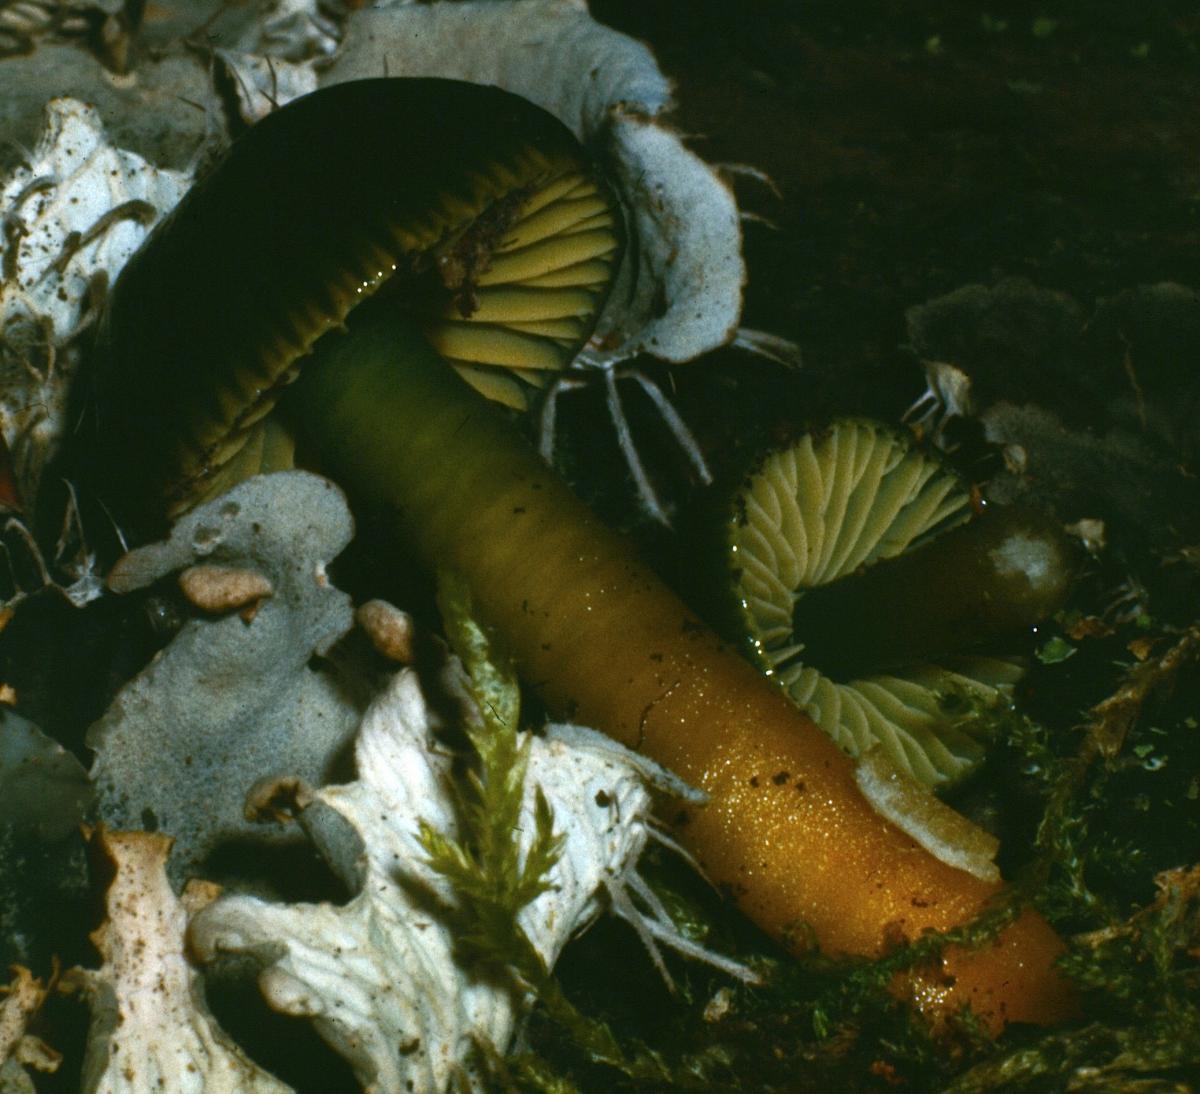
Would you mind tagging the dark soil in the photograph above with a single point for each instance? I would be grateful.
(919, 147)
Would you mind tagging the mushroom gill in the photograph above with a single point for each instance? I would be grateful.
(881, 652)
(467, 209)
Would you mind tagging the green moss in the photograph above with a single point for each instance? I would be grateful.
(1141, 982)
(491, 877)
(1104, 800)
(492, 880)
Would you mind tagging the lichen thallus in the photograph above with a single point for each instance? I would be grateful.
(480, 234)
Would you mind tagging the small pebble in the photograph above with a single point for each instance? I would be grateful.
(276, 799)
(390, 629)
(224, 589)
(719, 1006)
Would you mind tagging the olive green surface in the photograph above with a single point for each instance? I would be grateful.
(971, 587)
(305, 216)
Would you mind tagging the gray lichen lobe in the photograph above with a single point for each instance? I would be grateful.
(44, 794)
(230, 702)
(43, 788)
(1095, 410)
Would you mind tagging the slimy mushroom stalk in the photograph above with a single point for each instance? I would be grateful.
(786, 830)
(253, 283)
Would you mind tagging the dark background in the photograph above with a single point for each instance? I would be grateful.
(921, 146)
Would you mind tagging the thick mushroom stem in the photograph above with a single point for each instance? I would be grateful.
(605, 642)
(980, 583)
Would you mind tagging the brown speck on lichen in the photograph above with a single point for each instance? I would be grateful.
(219, 589)
(390, 630)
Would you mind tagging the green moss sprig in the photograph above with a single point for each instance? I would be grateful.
(491, 879)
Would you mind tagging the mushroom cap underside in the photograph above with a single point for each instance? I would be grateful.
(835, 503)
(300, 222)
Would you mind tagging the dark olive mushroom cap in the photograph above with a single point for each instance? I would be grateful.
(319, 205)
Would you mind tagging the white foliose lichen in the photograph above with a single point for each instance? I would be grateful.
(379, 976)
(72, 217)
(20, 1050)
(151, 1029)
(272, 63)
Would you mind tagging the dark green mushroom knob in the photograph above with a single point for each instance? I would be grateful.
(468, 209)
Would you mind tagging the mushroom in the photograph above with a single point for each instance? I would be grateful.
(210, 322)
(864, 587)
(483, 222)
